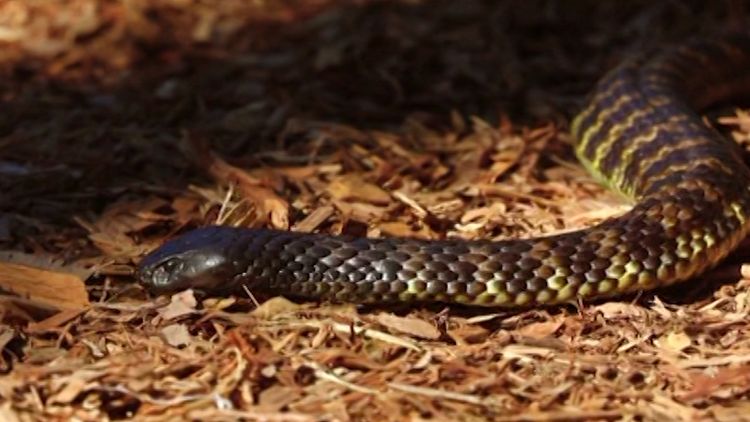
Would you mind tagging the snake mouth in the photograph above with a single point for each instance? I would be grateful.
(157, 279)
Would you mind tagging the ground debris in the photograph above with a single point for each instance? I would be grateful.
(127, 122)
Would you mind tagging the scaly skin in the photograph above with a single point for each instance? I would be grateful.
(640, 133)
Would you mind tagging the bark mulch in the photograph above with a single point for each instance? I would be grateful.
(127, 122)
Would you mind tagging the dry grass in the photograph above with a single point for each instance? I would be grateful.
(125, 122)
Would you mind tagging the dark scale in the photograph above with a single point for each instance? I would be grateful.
(387, 266)
(435, 287)
(332, 261)
(437, 266)
(536, 284)
(544, 272)
(462, 267)
(414, 265)
(456, 288)
(406, 275)
(523, 275)
(446, 275)
(356, 276)
(474, 288)
(427, 275)
(528, 263)
(372, 255)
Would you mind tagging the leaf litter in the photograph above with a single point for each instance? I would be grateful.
(126, 123)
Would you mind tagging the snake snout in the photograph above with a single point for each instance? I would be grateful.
(197, 259)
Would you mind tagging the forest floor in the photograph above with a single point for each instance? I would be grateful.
(123, 123)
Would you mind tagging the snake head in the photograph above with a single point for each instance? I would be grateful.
(197, 260)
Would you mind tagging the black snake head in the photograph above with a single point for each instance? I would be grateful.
(197, 260)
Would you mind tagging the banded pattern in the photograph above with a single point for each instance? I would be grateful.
(640, 133)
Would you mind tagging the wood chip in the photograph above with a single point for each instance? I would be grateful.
(55, 288)
(354, 188)
(412, 326)
(127, 122)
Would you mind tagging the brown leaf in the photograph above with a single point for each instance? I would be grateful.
(359, 211)
(275, 306)
(706, 386)
(412, 326)
(176, 335)
(468, 334)
(182, 303)
(541, 329)
(611, 310)
(184, 209)
(504, 160)
(314, 219)
(675, 341)
(304, 173)
(128, 216)
(352, 187)
(401, 229)
(6, 335)
(116, 244)
(270, 206)
(276, 397)
(74, 384)
(54, 321)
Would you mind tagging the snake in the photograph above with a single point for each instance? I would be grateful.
(639, 131)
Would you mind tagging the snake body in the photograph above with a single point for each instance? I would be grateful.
(640, 132)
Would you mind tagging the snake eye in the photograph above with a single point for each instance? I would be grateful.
(172, 265)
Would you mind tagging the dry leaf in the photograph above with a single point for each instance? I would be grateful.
(358, 211)
(182, 303)
(74, 385)
(611, 310)
(54, 321)
(6, 335)
(219, 303)
(7, 413)
(276, 397)
(706, 386)
(276, 306)
(468, 334)
(413, 326)
(129, 216)
(675, 341)
(314, 219)
(176, 335)
(542, 329)
(400, 229)
(353, 187)
(270, 206)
